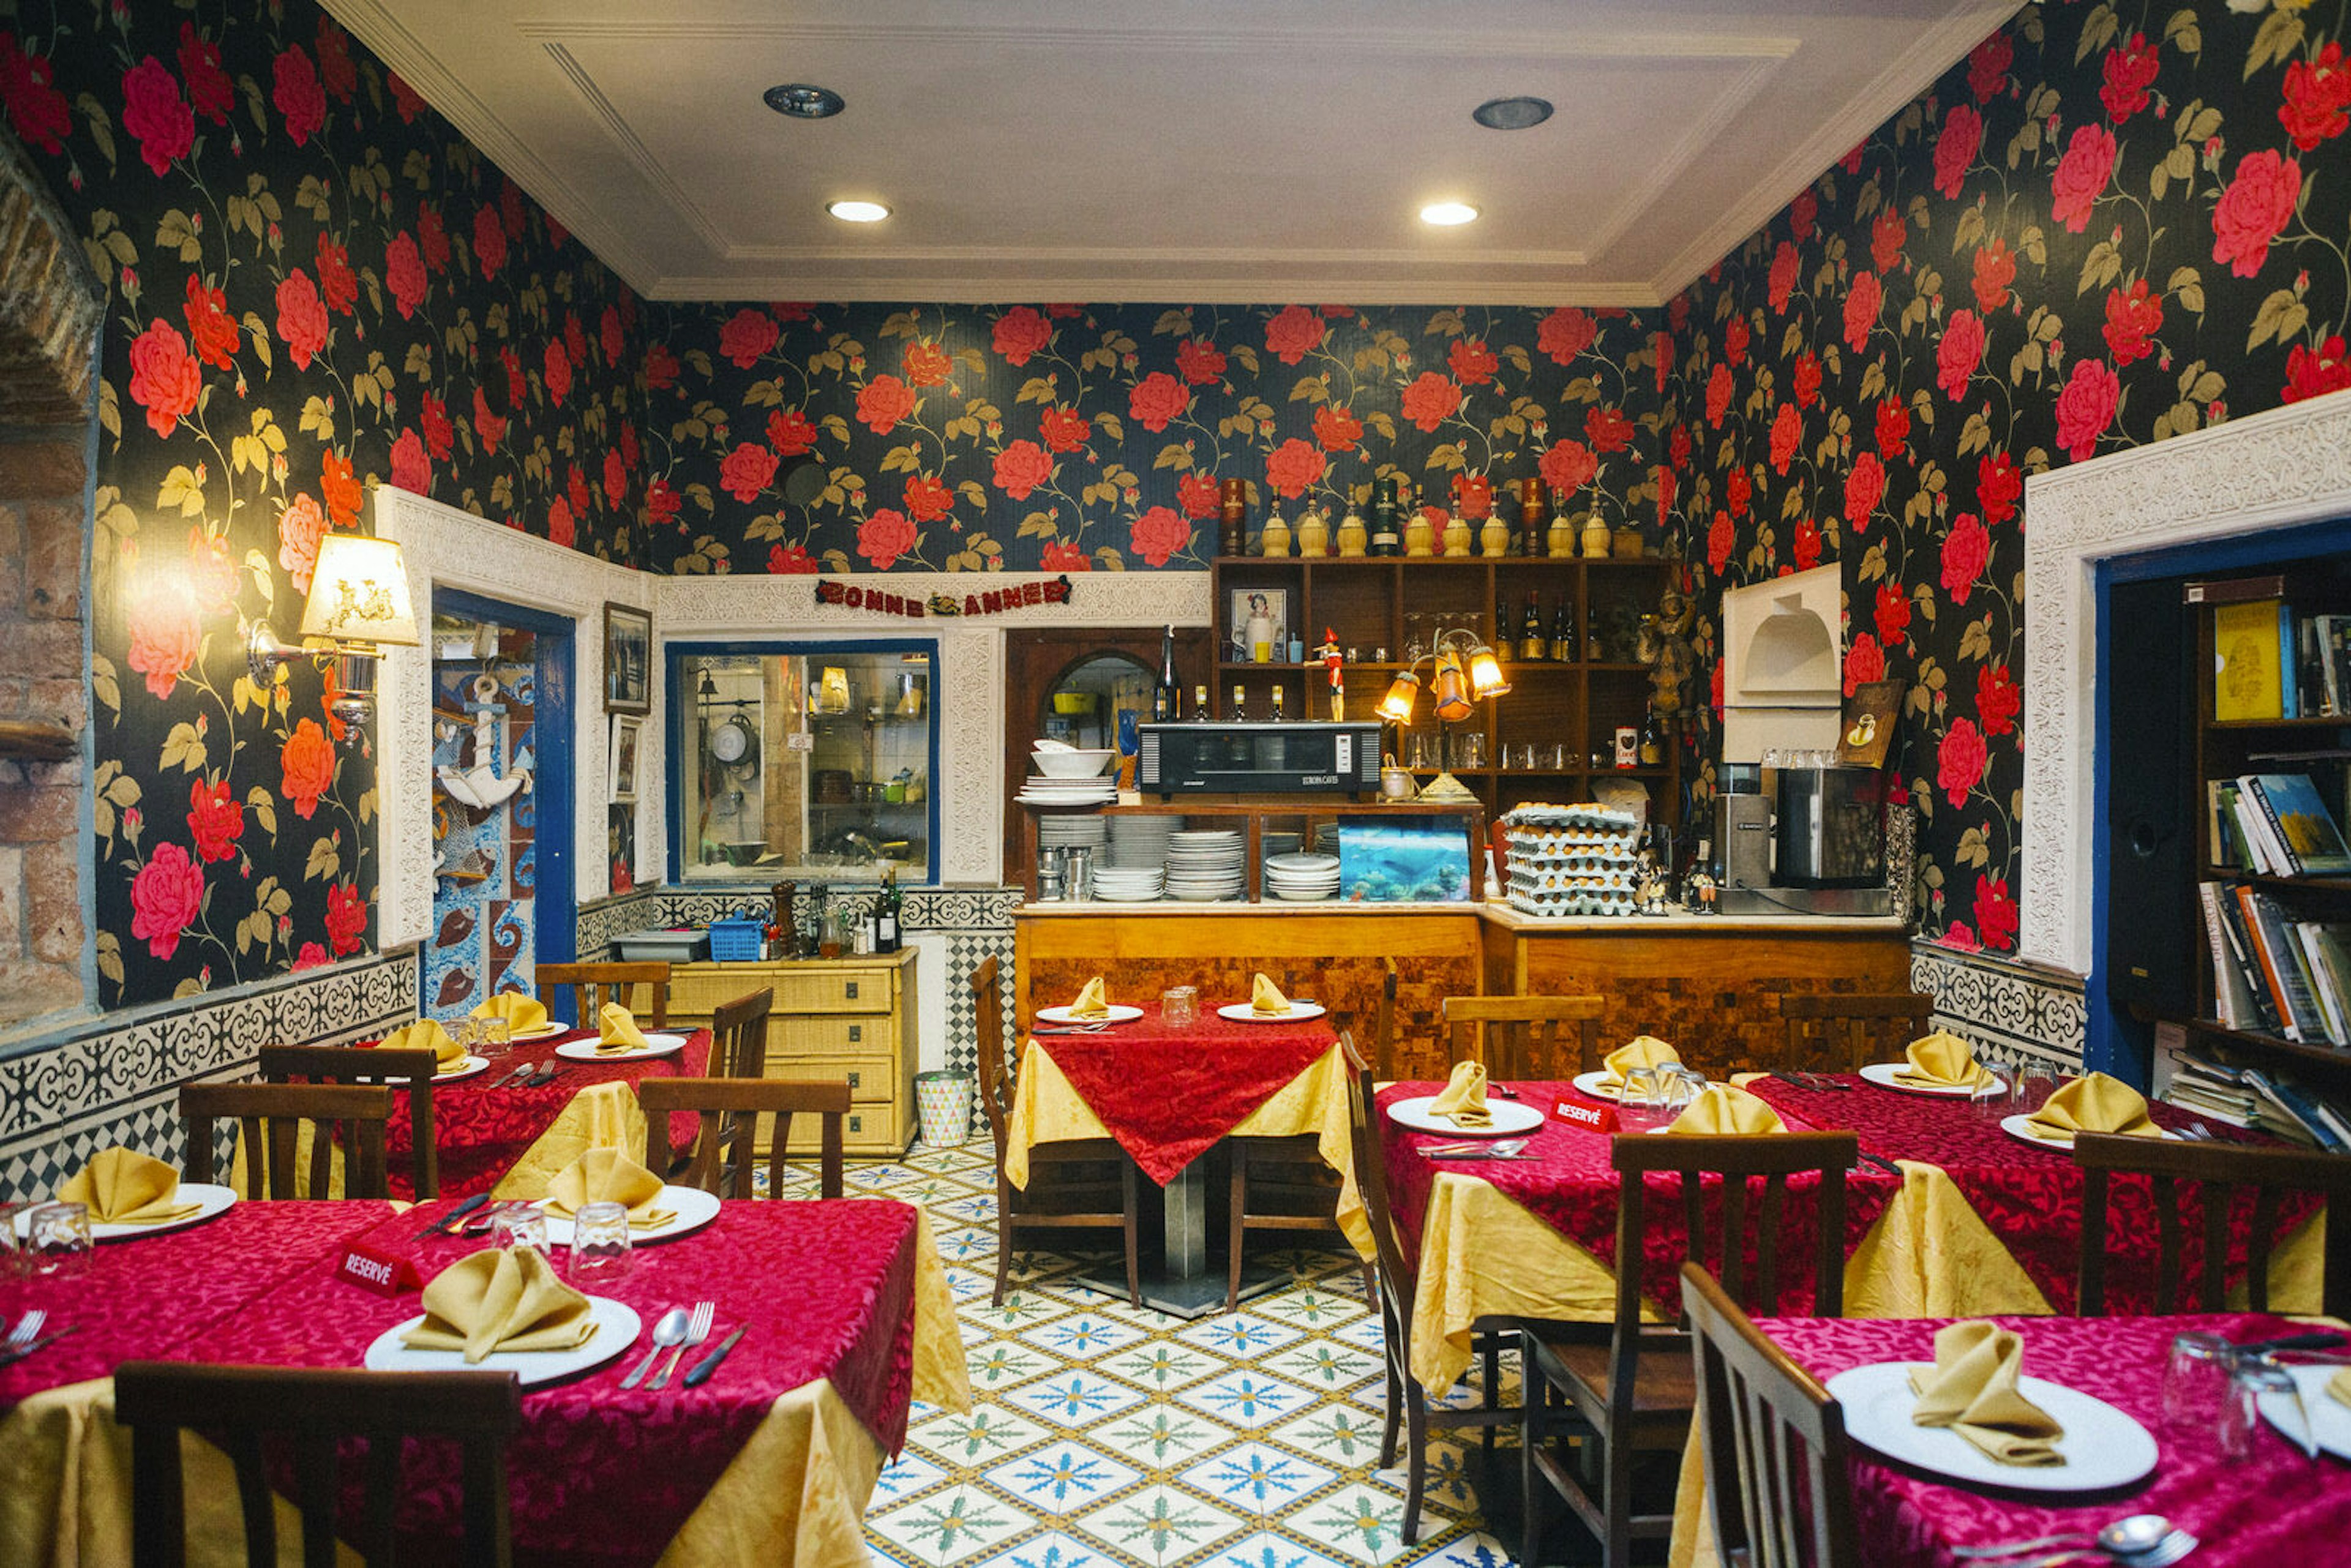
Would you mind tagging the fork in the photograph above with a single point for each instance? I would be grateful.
(27, 1330)
(698, 1329)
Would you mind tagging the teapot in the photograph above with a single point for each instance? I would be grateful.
(1395, 783)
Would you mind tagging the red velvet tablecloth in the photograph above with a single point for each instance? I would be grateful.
(1167, 1095)
(2278, 1509)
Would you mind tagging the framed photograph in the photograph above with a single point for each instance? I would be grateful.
(625, 734)
(1245, 606)
(628, 660)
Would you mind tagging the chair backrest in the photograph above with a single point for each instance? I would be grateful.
(594, 984)
(1396, 1276)
(1779, 1476)
(739, 1035)
(411, 1071)
(715, 1098)
(313, 1409)
(995, 1067)
(1521, 1037)
(1835, 1032)
(1769, 1159)
(2222, 1170)
(269, 1118)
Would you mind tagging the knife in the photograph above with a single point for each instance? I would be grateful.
(11, 1357)
(2321, 1340)
(440, 1226)
(700, 1372)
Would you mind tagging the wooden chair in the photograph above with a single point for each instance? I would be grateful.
(1779, 1467)
(1398, 1285)
(739, 1035)
(2221, 1170)
(270, 1118)
(1520, 1037)
(1836, 1032)
(1634, 1393)
(312, 1410)
(716, 1099)
(1071, 1180)
(408, 1070)
(594, 984)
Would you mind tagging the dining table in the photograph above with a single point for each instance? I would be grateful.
(2275, 1506)
(1167, 1093)
(847, 1319)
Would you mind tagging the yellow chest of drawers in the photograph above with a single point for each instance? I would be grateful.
(833, 1018)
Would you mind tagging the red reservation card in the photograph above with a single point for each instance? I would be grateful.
(385, 1273)
(1596, 1118)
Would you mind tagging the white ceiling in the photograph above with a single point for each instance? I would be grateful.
(1206, 151)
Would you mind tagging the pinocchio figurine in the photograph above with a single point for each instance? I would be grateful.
(1329, 654)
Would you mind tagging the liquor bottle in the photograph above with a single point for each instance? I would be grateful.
(1276, 705)
(1503, 642)
(1386, 539)
(1167, 697)
(1562, 631)
(1532, 643)
(1653, 747)
(1200, 704)
(1240, 707)
(887, 932)
(1534, 514)
(1232, 517)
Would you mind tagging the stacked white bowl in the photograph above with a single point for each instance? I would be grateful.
(1069, 776)
(1206, 863)
(1302, 878)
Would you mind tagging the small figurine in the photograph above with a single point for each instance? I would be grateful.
(1665, 646)
(1652, 895)
(1329, 654)
(1701, 893)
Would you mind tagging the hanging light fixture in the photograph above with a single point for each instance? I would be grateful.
(1466, 672)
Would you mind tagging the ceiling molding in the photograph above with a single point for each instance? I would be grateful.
(638, 155)
(1222, 289)
(1701, 134)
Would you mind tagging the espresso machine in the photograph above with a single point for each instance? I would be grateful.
(1803, 835)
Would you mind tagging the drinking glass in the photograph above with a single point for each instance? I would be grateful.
(59, 1236)
(497, 1037)
(1179, 1006)
(16, 1254)
(1995, 1107)
(2036, 1081)
(2195, 1383)
(519, 1224)
(599, 1244)
(2239, 1420)
(1644, 1102)
(1471, 749)
(467, 1034)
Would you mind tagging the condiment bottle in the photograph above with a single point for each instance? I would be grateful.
(1313, 534)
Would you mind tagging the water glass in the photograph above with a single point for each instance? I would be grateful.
(519, 1224)
(1179, 1006)
(1644, 1099)
(2195, 1383)
(1996, 1106)
(599, 1244)
(466, 1032)
(2238, 1423)
(2036, 1081)
(58, 1234)
(497, 1035)
(1469, 749)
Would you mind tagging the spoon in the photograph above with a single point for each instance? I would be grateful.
(2123, 1538)
(668, 1332)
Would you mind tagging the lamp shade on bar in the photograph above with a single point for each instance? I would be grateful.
(1486, 679)
(1396, 706)
(359, 593)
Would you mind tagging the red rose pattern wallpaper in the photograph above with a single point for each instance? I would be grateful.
(1085, 437)
(315, 285)
(2109, 225)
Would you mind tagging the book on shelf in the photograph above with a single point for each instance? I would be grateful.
(2232, 1001)
(2251, 680)
(2298, 1015)
(2252, 830)
(2298, 832)
(2327, 960)
(2249, 1097)
(2262, 1018)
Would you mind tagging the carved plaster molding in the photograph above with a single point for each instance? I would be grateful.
(2272, 470)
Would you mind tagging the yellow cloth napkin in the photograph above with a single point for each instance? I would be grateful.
(608, 1176)
(1940, 1061)
(2338, 1387)
(121, 1187)
(1463, 1103)
(618, 1029)
(1094, 1001)
(2094, 1102)
(1265, 997)
(1726, 1108)
(425, 1034)
(502, 1298)
(1642, 1050)
(521, 1012)
(1971, 1389)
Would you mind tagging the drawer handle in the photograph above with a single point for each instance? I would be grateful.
(857, 1123)
(849, 990)
(856, 1033)
(857, 1081)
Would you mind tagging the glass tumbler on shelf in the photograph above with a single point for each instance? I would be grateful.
(1469, 749)
(599, 1244)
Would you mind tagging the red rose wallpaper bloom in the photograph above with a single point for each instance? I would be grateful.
(340, 490)
(215, 820)
(560, 529)
(1956, 149)
(747, 471)
(1892, 616)
(1958, 353)
(1200, 361)
(1864, 488)
(925, 364)
(404, 273)
(555, 371)
(661, 368)
(306, 765)
(1718, 540)
(1567, 468)
(1804, 380)
(1064, 429)
(616, 479)
(1429, 401)
(1996, 913)
(210, 92)
(1886, 237)
(1471, 361)
(1787, 434)
(2309, 373)
(295, 90)
(1893, 427)
(1198, 494)
(1736, 490)
(2086, 407)
(1988, 66)
(1565, 333)
(1782, 282)
(37, 111)
(1735, 336)
(1158, 534)
(1158, 400)
(346, 918)
(1807, 545)
(1294, 333)
(301, 318)
(1060, 555)
(488, 428)
(1966, 548)
(2000, 485)
(156, 115)
(1718, 395)
(927, 500)
(2253, 210)
(1337, 428)
(1803, 208)
(164, 378)
(1995, 269)
(299, 528)
(2133, 318)
(1293, 469)
(2082, 175)
(165, 897)
(2129, 71)
(410, 469)
(1606, 428)
(1020, 467)
(886, 535)
(663, 503)
(1997, 700)
(312, 956)
(2317, 99)
(791, 560)
(1864, 661)
(1020, 333)
(339, 285)
(1959, 761)
(883, 403)
(1862, 301)
(790, 431)
(489, 241)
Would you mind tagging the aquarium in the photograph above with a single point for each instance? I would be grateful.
(1404, 859)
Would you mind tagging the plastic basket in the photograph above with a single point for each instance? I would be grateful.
(737, 941)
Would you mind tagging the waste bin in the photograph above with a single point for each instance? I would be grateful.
(943, 1106)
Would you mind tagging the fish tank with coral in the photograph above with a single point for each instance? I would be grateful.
(1404, 859)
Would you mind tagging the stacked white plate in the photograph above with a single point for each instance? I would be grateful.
(1073, 831)
(1137, 843)
(1130, 885)
(1041, 791)
(1206, 863)
(1302, 878)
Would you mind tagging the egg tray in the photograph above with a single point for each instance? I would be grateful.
(1539, 883)
(1610, 905)
(1548, 848)
(1589, 815)
(1546, 841)
(1576, 865)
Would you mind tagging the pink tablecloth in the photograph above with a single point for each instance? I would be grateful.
(2278, 1508)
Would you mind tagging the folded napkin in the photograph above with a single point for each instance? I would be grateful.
(608, 1176)
(2338, 1387)
(618, 1029)
(2094, 1102)
(1463, 1103)
(1726, 1108)
(1643, 1050)
(521, 1012)
(1094, 1001)
(1940, 1061)
(1971, 1389)
(1265, 997)
(501, 1297)
(425, 1034)
(120, 1187)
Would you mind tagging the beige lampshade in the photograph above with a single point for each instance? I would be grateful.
(1396, 706)
(359, 593)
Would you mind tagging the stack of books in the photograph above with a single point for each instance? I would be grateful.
(2247, 1097)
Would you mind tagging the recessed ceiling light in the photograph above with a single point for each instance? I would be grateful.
(857, 212)
(802, 101)
(1511, 113)
(1449, 214)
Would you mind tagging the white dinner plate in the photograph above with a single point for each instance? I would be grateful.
(1598, 1084)
(1882, 1073)
(657, 1044)
(211, 1198)
(1508, 1117)
(1241, 1012)
(467, 1067)
(692, 1210)
(2328, 1414)
(539, 1031)
(1119, 1013)
(617, 1328)
(2102, 1447)
(2016, 1127)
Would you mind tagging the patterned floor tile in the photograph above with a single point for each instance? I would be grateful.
(1055, 1551)
(1160, 1437)
(1005, 1363)
(1473, 1550)
(1060, 1478)
(1081, 1336)
(967, 1244)
(949, 1527)
(1333, 1431)
(989, 1433)
(1258, 1477)
(906, 1476)
(1246, 1398)
(1312, 1307)
(1074, 1397)
(1324, 1363)
(1163, 1364)
(1240, 1335)
(1161, 1524)
(1360, 1524)
(1264, 1549)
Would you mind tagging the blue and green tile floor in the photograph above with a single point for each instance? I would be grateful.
(1101, 1437)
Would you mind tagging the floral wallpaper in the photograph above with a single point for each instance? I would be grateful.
(1083, 437)
(315, 286)
(2111, 224)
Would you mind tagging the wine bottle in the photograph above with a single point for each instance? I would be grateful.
(1385, 538)
(1167, 697)
(1533, 644)
(886, 933)
(1276, 705)
(1562, 631)
(1653, 748)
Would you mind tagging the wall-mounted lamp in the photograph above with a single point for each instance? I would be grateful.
(358, 605)
(1466, 673)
